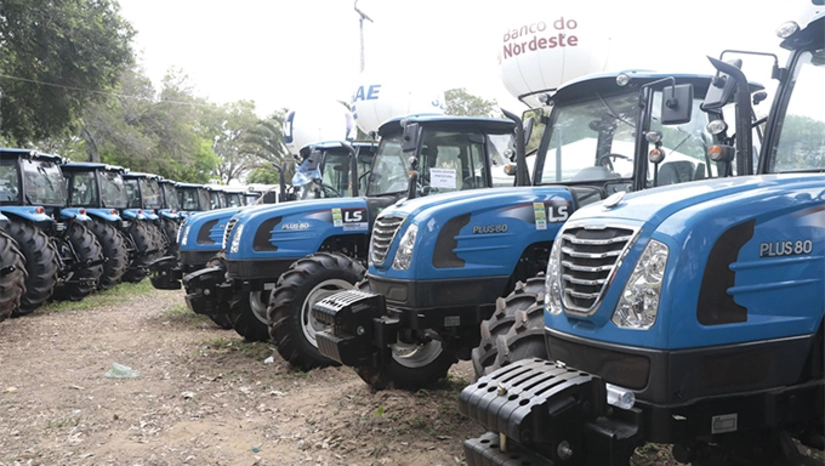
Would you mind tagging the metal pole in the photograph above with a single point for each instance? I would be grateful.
(363, 16)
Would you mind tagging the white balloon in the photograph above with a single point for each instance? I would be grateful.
(381, 97)
(543, 51)
(314, 122)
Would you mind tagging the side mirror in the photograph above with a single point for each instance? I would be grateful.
(314, 159)
(677, 104)
(759, 96)
(409, 141)
(721, 89)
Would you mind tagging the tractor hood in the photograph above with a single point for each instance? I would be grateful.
(476, 197)
(295, 229)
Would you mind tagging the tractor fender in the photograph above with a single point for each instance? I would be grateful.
(134, 214)
(29, 213)
(72, 213)
(105, 215)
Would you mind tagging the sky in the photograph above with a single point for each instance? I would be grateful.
(280, 52)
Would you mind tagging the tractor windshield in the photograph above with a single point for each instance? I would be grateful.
(150, 190)
(171, 196)
(189, 198)
(250, 198)
(448, 161)
(233, 200)
(215, 201)
(9, 182)
(44, 183)
(594, 140)
(801, 144)
(132, 193)
(83, 189)
(112, 190)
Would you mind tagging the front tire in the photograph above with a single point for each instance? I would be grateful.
(169, 228)
(248, 315)
(42, 265)
(413, 366)
(12, 284)
(221, 320)
(114, 249)
(307, 281)
(515, 331)
(84, 280)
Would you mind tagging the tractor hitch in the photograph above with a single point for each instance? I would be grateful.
(166, 273)
(207, 292)
(548, 414)
(361, 330)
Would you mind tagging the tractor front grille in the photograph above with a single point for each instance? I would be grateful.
(227, 232)
(589, 256)
(383, 234)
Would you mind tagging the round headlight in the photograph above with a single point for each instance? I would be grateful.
(653, 137)
(716, 127)
(786, 30)
(622, 80)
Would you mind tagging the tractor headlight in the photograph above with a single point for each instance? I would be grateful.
(236, 238)
(552, 287)
(403, 255)
(177, 234)
(185, 237)
(639, 302)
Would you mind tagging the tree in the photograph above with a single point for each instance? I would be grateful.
(266, 141)
(459, 102)
(229, 125)
(56, 56)
(263, 175)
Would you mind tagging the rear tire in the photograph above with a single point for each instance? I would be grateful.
(84, 280)
(114, 248)
(42, 265)
(12, 284)
(142, 234)
(515, 331)
(307, 281)
(412, 366)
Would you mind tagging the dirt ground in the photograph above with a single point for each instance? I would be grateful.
(203, 396)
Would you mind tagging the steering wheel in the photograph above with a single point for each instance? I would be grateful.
(604, 160)
(327, 189)
(471, 182)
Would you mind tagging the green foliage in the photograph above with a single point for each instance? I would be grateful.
(263, 175)
(264, 141)
(459, 102)
(72, 43)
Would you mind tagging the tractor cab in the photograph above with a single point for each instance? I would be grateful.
(192, 198)
(144, 195)
(217, 196)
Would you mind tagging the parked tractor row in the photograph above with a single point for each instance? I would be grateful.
(68, 229)
(640, 258)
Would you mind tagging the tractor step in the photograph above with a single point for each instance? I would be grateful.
(7, 270)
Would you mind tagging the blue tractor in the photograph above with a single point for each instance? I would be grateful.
(438, 266)
(64, 260)
(282, 259)
(99, 189)
(325, 171)
(144, 198)
(692, 315)
(13, 273)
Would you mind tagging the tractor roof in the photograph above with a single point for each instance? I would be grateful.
(450, 123)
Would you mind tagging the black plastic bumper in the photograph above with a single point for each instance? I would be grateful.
(207, 291)
(166, 273)
(548, 415)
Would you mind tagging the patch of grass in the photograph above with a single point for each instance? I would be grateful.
(65, 421)
(181, 313)
(253, 350)
(109, 297)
